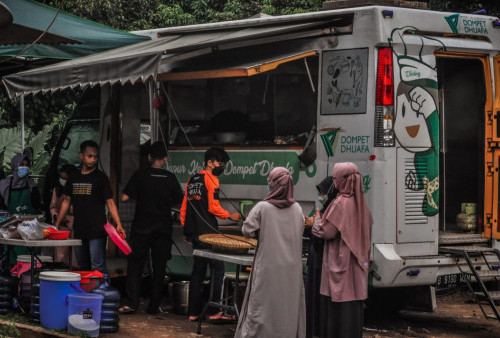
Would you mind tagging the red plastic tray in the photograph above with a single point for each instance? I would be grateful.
(117, 239)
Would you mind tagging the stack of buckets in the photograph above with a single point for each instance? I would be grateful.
(8, 288)
(62, 301)
(109, 309)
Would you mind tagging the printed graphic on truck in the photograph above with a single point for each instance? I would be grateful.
(416, 123)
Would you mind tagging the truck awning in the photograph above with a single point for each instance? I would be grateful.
(235, 69)
(142, 61)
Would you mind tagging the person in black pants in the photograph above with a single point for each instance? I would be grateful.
(155, 190)
(199, 210)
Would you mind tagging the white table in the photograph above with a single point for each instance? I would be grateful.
(239, 260)
(31, 245)
(246, 260)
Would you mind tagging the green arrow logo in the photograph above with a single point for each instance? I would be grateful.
(453, 22)
(328, 140)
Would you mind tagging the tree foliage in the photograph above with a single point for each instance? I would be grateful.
(146, 14)
(492, 7)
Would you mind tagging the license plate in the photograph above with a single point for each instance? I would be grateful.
(452, 280)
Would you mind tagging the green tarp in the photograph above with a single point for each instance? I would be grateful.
(93, 37)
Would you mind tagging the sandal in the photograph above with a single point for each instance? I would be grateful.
(124, 310)
(193, 318)
(222, 317)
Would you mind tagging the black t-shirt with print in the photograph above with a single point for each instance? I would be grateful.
(155, 190)
(89, 194)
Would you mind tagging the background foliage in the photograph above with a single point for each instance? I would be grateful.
(145, 14)
(492, 7)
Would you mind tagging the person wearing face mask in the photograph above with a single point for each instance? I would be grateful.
(58, 196)
(326, 194)
(19, 194)
(199, 211)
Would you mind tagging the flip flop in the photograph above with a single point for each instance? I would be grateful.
(221, 317)
(193, 318)
(125, 310)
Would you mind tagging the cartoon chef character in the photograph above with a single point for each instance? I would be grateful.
(416, 127)
(416, 124)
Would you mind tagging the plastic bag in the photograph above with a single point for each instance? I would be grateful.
(10, 232)
(31, 230)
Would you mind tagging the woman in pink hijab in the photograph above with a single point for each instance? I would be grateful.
(346, 227)
(274, 304)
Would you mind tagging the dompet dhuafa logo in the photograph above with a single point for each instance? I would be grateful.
(464, 24)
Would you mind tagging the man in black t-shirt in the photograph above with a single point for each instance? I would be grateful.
(154, 190)
(89, 191)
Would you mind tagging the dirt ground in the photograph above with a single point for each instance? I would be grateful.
(455, 316)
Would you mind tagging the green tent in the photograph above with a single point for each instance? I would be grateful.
(92, 37)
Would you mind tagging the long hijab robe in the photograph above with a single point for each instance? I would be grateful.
(274, 303)
(346, 227)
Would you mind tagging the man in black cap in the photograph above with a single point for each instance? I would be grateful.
(155, 190)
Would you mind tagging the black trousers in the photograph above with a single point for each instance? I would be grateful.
(341, 319)
(198, 276)
(160, 243)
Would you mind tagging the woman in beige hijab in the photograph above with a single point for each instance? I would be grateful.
(274, 304)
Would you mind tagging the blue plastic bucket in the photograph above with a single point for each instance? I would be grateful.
(84, 313)
(55, 286)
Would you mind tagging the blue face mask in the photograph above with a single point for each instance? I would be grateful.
(268, 187)
(23, 171)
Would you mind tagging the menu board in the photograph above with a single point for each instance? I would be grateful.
(344, 77)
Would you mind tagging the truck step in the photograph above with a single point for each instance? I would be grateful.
(452, 238)
(467, 248)
(494, 295)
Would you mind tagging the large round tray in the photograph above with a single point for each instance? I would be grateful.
(229, 243)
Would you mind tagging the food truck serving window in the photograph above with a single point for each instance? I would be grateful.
(266, 103)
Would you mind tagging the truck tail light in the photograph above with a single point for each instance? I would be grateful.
(384, 100)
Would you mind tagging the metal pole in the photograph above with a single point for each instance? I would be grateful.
(21, 111)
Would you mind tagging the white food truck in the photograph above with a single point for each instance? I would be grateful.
(408, 95)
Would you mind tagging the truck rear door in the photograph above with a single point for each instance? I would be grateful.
(492, 159)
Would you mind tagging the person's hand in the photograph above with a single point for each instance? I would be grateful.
(121, 231)
(316, 214)
(309, 221)
(235, 216)
(187, 240)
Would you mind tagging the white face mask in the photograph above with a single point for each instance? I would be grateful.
(62, 182)
(322, 199)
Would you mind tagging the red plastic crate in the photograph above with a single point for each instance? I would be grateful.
(90, 279)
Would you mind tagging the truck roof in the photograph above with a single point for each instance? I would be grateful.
(344, 13)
